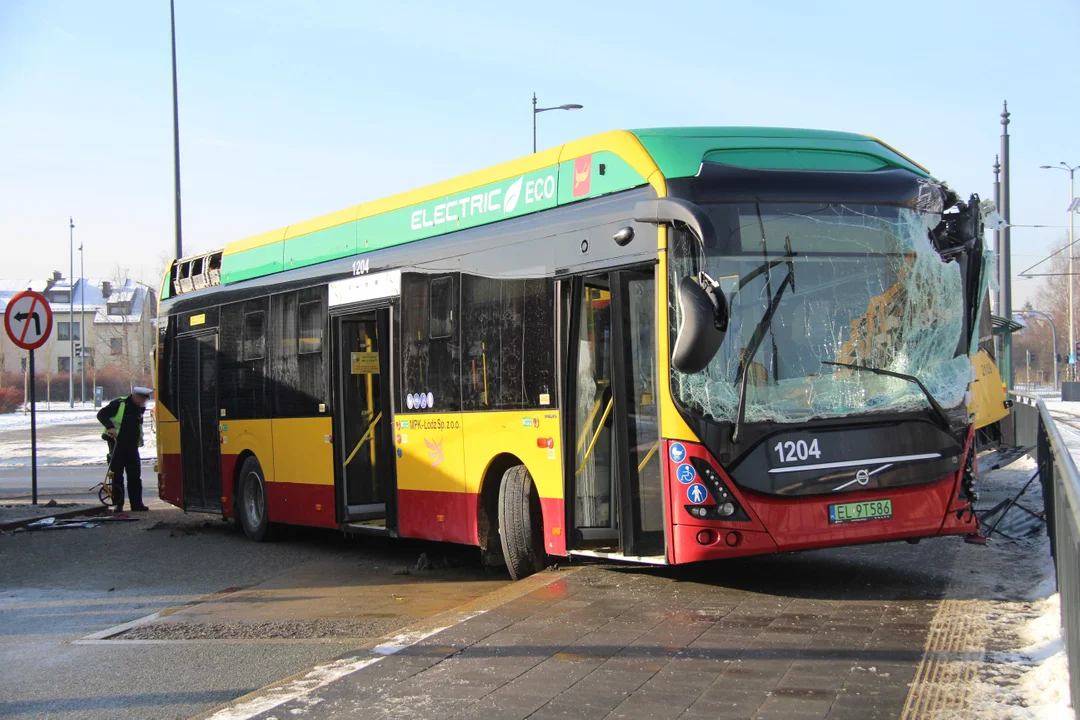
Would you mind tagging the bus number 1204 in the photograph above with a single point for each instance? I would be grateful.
(794, 451)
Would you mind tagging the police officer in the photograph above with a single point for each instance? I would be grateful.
(123, 421)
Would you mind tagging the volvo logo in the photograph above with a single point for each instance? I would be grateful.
(862, 476)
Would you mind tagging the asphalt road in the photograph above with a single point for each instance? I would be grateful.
(58, 587)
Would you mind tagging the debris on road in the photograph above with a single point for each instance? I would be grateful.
(52, 523)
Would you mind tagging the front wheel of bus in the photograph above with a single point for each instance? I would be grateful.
(251, 503)
(521, 525)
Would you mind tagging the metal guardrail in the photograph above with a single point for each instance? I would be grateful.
(1033, 426)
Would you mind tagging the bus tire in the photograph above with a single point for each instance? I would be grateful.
(251, 505)
(521, 525)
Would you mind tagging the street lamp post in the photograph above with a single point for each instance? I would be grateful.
(538, 110)
(71, 313)
(1072, 195)
(176, 137)
(82, 326)
(1005, 256)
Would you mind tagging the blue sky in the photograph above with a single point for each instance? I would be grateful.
(292, 109)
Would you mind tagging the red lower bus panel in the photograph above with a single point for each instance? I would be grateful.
(437, 515)
(171, 480)
(452, 517)
(228, 473)
(554, 518)
(301, 504)
(802, 523)
(698, 542)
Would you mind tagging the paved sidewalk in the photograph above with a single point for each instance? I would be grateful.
(612, 643)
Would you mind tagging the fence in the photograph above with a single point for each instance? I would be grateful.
(1033, 426)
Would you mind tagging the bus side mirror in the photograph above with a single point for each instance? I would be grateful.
(704, 311)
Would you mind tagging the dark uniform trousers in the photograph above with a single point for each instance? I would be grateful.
(125, 460)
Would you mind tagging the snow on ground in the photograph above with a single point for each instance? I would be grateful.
(1024, 672)
(81, 446)
(18, 421)
(65, 438)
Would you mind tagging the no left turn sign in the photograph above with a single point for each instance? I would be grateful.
(28, 319)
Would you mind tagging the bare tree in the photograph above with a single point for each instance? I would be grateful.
(1052, 298)
(44, 357)
(119, 328)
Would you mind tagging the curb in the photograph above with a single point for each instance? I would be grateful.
(7, 525)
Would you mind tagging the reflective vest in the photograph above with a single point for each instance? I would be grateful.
(119, 418)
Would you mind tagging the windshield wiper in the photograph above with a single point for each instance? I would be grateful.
(910, 378)
(743, 377)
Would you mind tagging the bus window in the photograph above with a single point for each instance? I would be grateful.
(298, 321)
(509, 343)
(429, 363)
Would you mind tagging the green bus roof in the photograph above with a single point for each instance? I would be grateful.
(679, 151)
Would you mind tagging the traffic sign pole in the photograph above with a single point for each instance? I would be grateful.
(33, 433)
(28, 322)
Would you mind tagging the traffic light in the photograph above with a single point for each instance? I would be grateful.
(78, 349)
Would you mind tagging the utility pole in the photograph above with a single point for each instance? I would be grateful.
(1072, 281)
(1000, 348)
(1005, 256)
(82, 326)
(71, 313)
(176, 134)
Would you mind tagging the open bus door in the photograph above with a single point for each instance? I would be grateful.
(363, 447)
(197, 411)
(613, 464)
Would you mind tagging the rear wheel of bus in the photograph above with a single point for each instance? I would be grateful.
(521, 523)
(251, 501)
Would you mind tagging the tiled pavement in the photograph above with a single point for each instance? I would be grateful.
(607, 643)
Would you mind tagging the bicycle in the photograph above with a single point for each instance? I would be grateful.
(104, 488)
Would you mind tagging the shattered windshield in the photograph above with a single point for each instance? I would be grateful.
(813, 282)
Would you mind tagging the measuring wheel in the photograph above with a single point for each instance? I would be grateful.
(104, 495)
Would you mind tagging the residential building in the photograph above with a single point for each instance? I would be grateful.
(113, 328)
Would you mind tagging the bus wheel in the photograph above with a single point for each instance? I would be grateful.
(251, 503)
(521, 525)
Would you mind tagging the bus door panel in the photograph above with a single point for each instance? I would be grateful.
(592, 403)
(613, 465)
(363, 392)
(637, 424)
(198, 410)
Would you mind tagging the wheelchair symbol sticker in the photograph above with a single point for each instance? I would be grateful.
(686, 473)
(696, 493)
(677, 452)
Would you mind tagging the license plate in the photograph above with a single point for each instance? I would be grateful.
(857, 512)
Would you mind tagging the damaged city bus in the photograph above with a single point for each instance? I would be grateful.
(664, 346)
